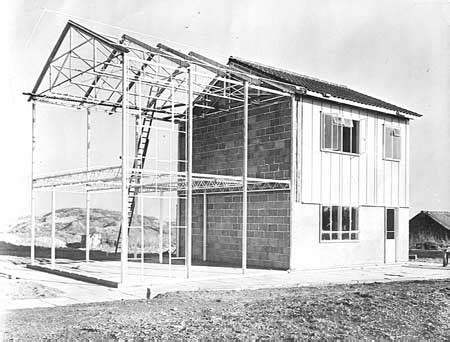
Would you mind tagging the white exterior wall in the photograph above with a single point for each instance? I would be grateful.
(366, 181)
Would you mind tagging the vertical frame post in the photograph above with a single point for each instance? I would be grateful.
(171, 169)
(189, 132)
(53, 238)
(170, 237)
(244, 181)
(88, 204)
(124, 181)
(33, 198)
(161, 228)
(141, 207)
(293, 192)
(88, 223)
(205, 224)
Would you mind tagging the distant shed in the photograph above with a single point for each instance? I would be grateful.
(431, 226)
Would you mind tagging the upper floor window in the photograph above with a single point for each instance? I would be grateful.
(339, 134)
(392, 143)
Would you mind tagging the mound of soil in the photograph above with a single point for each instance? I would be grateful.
(70, 226)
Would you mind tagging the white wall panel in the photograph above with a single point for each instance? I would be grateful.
(310, 253)
(339, 178)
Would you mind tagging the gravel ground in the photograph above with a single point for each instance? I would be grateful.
(401, 310)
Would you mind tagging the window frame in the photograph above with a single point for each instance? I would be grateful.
(339, 231)
(385, 157)
(395, 231)
(322, 135)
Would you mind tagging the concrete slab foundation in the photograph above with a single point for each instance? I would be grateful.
(158, 280)
(107, 273)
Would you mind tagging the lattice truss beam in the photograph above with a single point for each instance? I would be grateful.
(109, 178)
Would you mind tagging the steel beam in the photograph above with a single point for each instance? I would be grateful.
(50, 59)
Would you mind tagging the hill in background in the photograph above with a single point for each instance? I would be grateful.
(70, 226)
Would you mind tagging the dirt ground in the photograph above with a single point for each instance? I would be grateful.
(400, 310)
(14, 289)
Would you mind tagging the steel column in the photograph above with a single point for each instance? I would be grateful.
(124, 207)
(141, 207)
(88, 199)
(244, 181)
(161, 228)
(205, 224)
(53, 238)
(170, 236)
(189, 132)
(33, 199)
(293, 193)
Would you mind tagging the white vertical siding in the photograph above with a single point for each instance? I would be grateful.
(306, 152)
(338, 178)
(316, 155)
(407, 163)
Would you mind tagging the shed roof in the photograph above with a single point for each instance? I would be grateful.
(441, 217)
(315, 85)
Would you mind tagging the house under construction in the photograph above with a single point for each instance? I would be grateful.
(267, 168)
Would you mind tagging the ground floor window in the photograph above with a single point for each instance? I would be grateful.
(339, 223)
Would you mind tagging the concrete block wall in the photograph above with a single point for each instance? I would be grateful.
(218, 140)
(267, 231)
(218, 149)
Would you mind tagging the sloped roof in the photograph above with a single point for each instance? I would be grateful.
(315, 85)
(441, 217)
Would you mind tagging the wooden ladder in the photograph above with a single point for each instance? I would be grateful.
(135, 179)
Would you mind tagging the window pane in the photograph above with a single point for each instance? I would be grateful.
(390, 219)
(354, 225)
(396, 142)
(345, 218)
(354, 236)
(355, 137)
(327, 127)
(334, 236)
(345, 236)
(326, 224)
(390, 235)
(337, 132)
(388, 142)
(325, 236)
(346, 143)
(335, 218)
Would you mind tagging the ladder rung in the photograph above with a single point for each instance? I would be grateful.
(178, 258)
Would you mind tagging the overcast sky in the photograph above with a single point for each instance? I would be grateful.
(398, 51)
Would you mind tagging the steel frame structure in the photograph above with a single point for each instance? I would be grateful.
(124, 76)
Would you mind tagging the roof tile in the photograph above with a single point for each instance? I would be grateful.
(315, 85)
